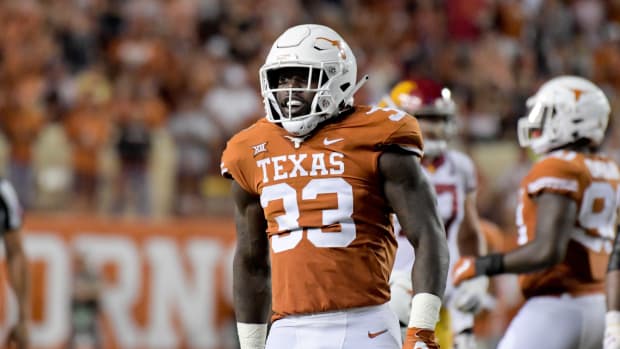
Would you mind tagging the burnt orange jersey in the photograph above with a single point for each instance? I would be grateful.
(328, 222)
(592, 182)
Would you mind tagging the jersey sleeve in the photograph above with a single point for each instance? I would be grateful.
(553, 175)
(467, 170)
(471, 177)
(235, 166)
(406, 134)
(11, 211)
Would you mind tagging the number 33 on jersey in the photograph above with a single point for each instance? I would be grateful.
(323, 201)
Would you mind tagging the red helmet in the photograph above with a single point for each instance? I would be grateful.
(423, 97)
(426, 100)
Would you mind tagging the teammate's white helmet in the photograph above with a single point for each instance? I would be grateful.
(564, 110)
(323, 52)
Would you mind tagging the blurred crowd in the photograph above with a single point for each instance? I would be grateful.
(123, 107)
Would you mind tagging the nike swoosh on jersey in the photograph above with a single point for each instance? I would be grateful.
(375, 334)
(331, 141)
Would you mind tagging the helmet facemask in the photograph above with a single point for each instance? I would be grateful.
(437, 129)
(534, 129)
(320, 80)
(325, 58)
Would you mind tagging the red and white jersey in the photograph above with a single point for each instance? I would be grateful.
(332, 245)
(453, 176)
(592, 182)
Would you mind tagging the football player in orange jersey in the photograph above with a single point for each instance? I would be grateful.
(453, 175)
(566, 221)
(315, 183)
(612, 319)
(10, 224)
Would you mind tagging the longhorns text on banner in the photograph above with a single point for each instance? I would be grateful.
(164, 285)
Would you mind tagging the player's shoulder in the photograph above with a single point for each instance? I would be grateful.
(459, 158)
(250, 140)
(559, 171)
(558, 162)
(373, 115)
(602, 166)
(461, 162)
(257, 130)
(382, 127)
(245, 144)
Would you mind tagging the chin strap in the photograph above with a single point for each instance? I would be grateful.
(356, 88)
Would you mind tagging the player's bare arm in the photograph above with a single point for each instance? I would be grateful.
(251, 273)
(411, 197)
(556, 214)
(469, 296)
(409, 194)
(19, 278)
(251, 281)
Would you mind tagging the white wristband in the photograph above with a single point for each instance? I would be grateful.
(612, 318)
(424, 311)
(251, 336)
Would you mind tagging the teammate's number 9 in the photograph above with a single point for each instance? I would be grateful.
(598, 208)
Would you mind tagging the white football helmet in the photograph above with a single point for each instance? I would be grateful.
(564, 110)
(322, 51)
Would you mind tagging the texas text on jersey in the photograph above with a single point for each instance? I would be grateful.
(320, 182)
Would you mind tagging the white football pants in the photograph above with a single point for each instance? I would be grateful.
(563, 322)
(359, 328)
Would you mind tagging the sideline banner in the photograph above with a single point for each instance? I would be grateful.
(166, 284)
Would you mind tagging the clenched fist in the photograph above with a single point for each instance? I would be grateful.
(420, 338)
(464, 269)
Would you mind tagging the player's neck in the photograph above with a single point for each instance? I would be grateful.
(580, 146)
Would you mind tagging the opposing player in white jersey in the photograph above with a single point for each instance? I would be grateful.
(453, 176)
(566, 219)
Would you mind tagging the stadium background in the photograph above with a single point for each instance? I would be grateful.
(114, 115)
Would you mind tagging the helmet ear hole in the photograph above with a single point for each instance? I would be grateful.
(324, 103)
(344, 87)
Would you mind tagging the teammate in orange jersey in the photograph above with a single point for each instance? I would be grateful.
(566, 221)
(314, 186)
(612, 319)
(453, 175)
(10, 223)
